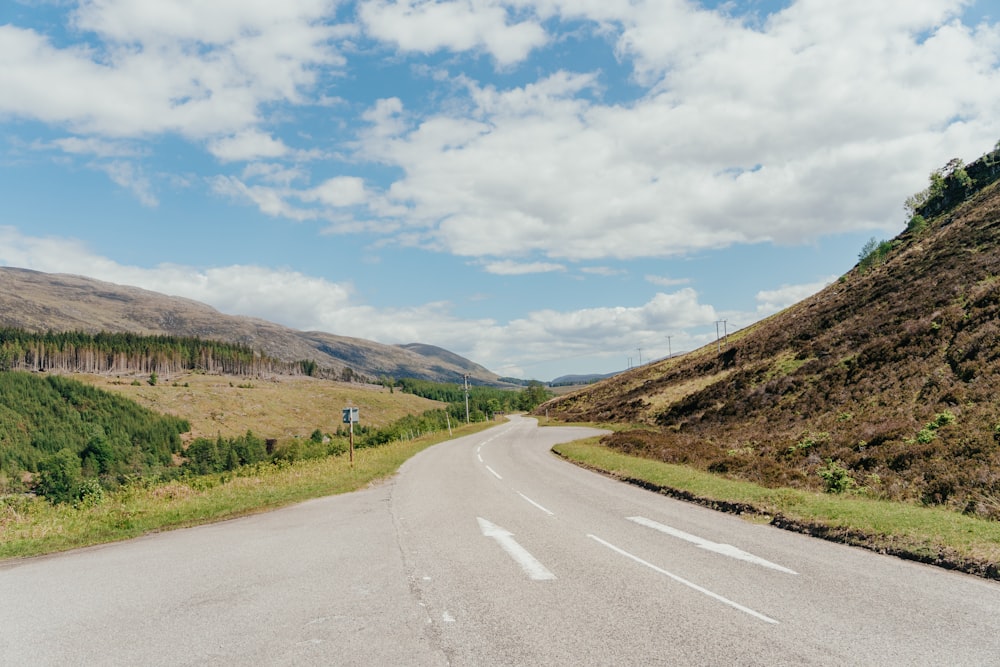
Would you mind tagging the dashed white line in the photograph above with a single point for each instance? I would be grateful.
(536, 504)
(495, 473)
(702, 543)
(531, 566)
(689, 584)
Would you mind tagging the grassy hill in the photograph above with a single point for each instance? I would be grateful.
(40, 302)
(283, 407)
(884, 383)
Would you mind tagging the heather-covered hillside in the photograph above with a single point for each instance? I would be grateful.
(886, 381)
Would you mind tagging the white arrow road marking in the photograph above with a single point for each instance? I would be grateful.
(505, 539)
(684, 581)
(724, 549)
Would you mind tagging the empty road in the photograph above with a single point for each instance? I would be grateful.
(488, 550)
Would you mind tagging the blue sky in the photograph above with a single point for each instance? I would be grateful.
(543, 186)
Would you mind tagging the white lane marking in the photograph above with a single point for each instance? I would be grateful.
(689, 584)
(536, 504)
(495, 473)
(447, 618)
(531, 566)
(702, 543)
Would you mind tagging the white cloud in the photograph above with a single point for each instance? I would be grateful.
(602, 271)
(247, 145)
(459, 25)
(819, 122)
(271, 172)
(748, 131)
(339, 192)
(200, 69)
(93, 146)
(666, 281)
(511, 268)
(131, 177)
(270, 200)
(772, 301)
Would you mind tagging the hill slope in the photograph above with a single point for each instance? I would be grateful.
(41, 301)
(885, 380)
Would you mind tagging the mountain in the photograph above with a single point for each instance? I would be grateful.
(886, 381)
(566, 380)
(38, 301)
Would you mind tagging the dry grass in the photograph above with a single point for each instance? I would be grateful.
(667, 395)
(285, 407)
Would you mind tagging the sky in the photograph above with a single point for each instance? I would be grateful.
(546, 187)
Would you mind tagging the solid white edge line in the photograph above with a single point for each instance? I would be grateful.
(682, 580)
(536, 504)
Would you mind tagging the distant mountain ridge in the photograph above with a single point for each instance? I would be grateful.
(581, 379)
(38, 301)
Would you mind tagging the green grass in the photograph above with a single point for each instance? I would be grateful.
(927, 534)
(33, 526)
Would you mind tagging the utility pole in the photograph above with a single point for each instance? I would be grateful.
(640, 355)
(718, 340)
(466, 377)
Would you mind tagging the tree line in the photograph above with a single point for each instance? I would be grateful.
(131, 353)
(484, 402)
(949, 186)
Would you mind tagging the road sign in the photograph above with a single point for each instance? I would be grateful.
(351, 415)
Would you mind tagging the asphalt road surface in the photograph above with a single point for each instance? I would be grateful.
(488, 550)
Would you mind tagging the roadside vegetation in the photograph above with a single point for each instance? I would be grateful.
(31, 525)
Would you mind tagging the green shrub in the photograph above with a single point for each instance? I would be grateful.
(917, 225)
(836, 478)
(59, 476)
(874, 253)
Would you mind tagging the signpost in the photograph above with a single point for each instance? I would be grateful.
(351, 417)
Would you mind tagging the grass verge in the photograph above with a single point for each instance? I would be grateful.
(32, 526)
(926, 534)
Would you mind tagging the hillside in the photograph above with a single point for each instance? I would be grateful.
(885, 381)
(37, 301)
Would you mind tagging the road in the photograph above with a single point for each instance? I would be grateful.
(488, 550)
